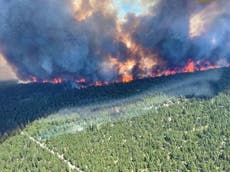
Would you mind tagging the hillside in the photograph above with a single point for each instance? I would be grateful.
(164, 124)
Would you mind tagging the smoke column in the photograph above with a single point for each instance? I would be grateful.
(87, 39)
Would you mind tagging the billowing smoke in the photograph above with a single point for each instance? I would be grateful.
(183, 29)
(42, 38)
(75, 39)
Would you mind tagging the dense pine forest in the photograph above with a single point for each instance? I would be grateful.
(21, 104)
(175, 123)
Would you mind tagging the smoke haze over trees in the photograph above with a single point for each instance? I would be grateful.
(87, 39)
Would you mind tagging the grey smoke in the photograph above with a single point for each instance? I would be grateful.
(42, 38)
(166, 30)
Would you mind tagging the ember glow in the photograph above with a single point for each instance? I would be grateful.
(190, 67)
(92, 42)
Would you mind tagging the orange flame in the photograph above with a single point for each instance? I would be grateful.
(191, 67)
(138, 57)
(126, 77)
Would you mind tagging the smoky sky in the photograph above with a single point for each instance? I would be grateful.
(167, 29)
(43, 39)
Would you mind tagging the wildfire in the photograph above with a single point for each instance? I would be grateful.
(146, 61)
(191, 67)
(138, 57)
(126, 77)
(124, 68)
(139, 61)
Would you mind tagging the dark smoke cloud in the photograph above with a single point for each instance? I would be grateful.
(167, 29)
(42, 38)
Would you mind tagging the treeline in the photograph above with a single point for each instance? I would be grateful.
(191, 136)
(21, 104)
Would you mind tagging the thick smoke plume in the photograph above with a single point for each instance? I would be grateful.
(86, 40)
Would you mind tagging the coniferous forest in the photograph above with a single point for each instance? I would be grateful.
(176, 123)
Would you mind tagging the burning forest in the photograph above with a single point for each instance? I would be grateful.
(90, 42)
